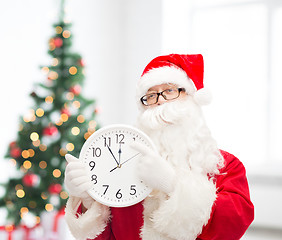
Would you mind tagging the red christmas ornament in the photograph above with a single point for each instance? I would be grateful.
(65, 111)
(50, 131)
(15, 152)
(55, 188)
(76, 89)
(13, 144)
(30, 180)
(81, 62)
(58, 42)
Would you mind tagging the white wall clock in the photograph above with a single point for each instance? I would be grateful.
(111, 165)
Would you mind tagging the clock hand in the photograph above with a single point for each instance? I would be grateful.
(119, 153)
(124, 162)
(114, 168)
(112, 154)
(129, 159)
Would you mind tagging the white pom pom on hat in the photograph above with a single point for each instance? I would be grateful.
(184, 70)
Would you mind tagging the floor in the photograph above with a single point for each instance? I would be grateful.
(262, 234)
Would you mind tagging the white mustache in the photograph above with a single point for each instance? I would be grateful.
(167, 113)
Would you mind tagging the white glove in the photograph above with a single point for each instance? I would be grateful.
(155, 171)
(77, 181)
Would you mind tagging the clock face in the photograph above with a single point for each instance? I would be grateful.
(111, 165)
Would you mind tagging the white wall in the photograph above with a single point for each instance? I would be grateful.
(25, 27)
(115, 38)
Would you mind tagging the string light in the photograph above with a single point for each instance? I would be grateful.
(57, 173)
(59, 123)
(80, 118)
(39, 112)
(24, 211)
(52, 45)
(55, 62)
(66, 34)
(59, 29)
(43, 147)
(70, 96)
(44, 196)
(25, 154)
(45, 70)
(42, 164)
(73, 70)
(49, 99)
(31, 152)
(9, 228)
(18, 186)
(27, 164)
(13, 161)
(20, 193)
(92, 124)
(53, 75)
(63, 152)
(76, 104)
(64, 117)
(49, 207)
(30, 117)
(91, 130)
(36, 143)
(70, 147)
(34, 136)
(75, 131)
(37, 220)
(26, 119)
(64, 195)
(87, 135)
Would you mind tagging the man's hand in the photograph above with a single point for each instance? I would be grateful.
(77, 181)
(156, 172)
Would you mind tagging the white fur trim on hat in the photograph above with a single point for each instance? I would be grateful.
(203, 96)
(161, 75)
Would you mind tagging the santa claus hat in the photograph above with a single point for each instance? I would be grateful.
(186, 71)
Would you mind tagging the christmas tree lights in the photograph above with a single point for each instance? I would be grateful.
(59, 123)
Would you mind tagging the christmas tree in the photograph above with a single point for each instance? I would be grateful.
(59, 123)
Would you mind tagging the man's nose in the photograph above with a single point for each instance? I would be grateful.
(161, 100)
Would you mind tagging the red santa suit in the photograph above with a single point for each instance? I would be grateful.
(231, 214)
(210, 198)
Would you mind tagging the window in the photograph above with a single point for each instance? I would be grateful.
(241, 45)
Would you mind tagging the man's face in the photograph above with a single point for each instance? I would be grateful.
(159, 94)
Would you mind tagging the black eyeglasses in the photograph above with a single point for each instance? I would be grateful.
(168, 94)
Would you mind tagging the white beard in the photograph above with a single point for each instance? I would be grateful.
(181, 135)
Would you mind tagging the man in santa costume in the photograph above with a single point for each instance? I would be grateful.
(199, 191)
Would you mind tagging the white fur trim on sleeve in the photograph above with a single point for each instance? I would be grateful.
(89, 224)
(188, 209)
